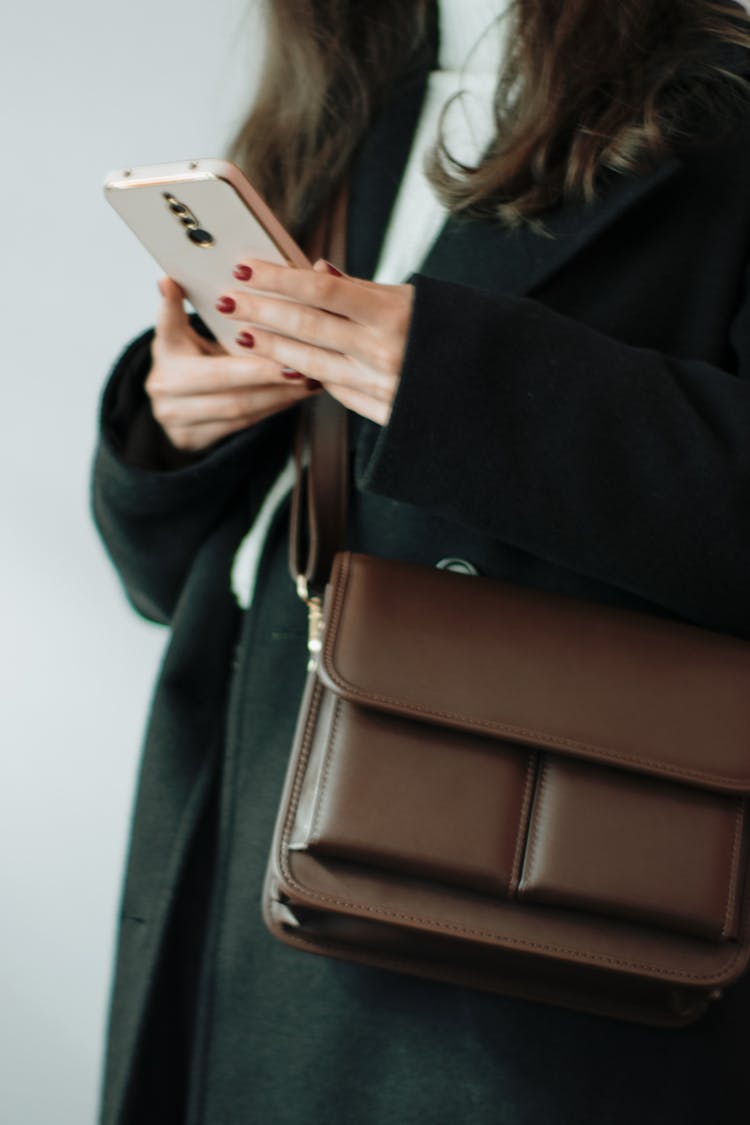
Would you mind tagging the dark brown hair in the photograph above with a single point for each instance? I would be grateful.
(587, 86)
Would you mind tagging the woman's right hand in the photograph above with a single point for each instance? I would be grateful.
(199, 393)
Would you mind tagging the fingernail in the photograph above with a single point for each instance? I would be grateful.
(226, 305)
(290, 373)
(245, 339)
(313, 385)
(243, 273)
(332, 269)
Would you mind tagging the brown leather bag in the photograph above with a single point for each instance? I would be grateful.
(509, 789)
(503, 788)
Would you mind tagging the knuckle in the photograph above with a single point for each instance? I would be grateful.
(182, 437)
(234, 408)
(154, 384)
(163, 411)
(307, 323)
(192, 439)
(384, 356)
(256, 309)
(163, 377)
(243, 376)
(325, 287)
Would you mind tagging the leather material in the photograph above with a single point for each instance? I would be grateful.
(518, 792)
(507, 789)
(318, 520)
(476, 799)
(319, 498)
(591, 681)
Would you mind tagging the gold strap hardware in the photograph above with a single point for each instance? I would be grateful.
(314, 631)
(314, 622)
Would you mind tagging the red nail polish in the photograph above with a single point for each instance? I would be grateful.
(226, 305)
(243, 273)
(290, 373)
(313, 385)
(245, 339)
(332, 269)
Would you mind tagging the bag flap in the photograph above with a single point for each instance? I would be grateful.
(590, 681)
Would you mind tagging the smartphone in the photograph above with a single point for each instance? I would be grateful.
(198, 219)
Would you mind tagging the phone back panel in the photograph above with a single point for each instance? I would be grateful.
(198, 224)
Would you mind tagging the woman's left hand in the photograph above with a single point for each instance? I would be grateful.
(348, 334)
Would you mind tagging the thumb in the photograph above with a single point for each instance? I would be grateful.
(172, 325)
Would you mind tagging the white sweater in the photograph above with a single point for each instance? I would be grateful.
(471, 44)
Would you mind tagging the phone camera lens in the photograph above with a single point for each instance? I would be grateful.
(201, 237)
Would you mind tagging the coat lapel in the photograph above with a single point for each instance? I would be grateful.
(474, 252)
(469, 251)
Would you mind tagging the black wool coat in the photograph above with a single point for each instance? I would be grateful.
(573, 414)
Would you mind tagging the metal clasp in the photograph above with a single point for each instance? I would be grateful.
(314, 622)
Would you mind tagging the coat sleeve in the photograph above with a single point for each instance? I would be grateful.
(153, 505)
(620, 463)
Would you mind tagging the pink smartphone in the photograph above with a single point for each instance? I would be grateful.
(198, 219)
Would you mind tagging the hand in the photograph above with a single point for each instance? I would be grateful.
(199, 393)
(348, 334)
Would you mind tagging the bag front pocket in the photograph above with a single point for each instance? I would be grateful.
(635, 847)
(421, 799)
(504, 820)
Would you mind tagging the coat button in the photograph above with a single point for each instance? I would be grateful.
(460, 566)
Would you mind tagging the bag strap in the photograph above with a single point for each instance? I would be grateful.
(320, 496)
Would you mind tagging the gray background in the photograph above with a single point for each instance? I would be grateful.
(85, 87)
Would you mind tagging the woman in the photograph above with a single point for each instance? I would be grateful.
(559, 397)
